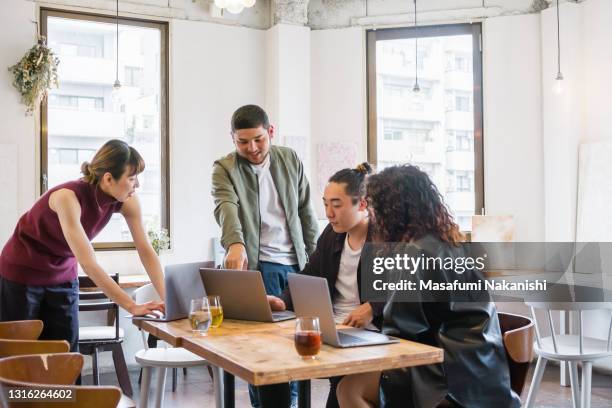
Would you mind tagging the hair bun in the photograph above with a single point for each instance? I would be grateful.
(364, 168)
(85, 169)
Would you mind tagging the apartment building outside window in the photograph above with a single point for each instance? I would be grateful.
(85, 111)
(440, 128)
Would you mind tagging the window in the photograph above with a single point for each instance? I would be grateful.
(85, 112)
(133, 76)
(76, 102)
(441, 127)
(464, 181)
(464, 140)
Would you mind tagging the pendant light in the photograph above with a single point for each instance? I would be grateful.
(416, 87)
(234, 6)
(117, 84)
(558, 87)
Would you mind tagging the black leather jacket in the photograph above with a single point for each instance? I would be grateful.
(475, 371)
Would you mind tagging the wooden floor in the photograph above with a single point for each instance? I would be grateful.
(195, 390)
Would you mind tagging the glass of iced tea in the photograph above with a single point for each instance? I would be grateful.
(307, 337)
(199, 315)
(216, 310)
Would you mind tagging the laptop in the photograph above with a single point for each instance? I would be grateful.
(243, 295)
(310, 297)
(183, 283)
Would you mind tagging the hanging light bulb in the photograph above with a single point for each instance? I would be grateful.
(117, 84)
(558, 87)
(234, 6)
(416, 87)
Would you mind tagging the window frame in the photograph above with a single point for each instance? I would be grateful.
(475, 29)
(164, 111)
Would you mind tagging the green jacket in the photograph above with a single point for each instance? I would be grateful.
(235, 190)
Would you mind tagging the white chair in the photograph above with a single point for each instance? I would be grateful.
(164, 358)
(570, 348)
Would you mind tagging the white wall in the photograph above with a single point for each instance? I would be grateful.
(563, 118)
(288, 87)
(17, 131)
(514, 178)
(338, 96)
(598, 62)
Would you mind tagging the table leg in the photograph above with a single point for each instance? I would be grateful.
(304, 394)
(229, 400)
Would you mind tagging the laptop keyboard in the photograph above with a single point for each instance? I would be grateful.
(347, 339)
(285, 313)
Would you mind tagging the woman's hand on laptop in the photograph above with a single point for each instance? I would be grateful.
(236, 257)
(360, 317)
(276, 304)
(147, 308)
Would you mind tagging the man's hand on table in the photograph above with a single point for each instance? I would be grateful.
(276, 304)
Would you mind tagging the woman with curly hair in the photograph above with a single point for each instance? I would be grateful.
(406, 207)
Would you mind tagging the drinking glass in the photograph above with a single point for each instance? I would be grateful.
(199, 315)
(307, 337)
(216, 310)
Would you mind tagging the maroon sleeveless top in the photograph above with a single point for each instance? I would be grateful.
(37, 253)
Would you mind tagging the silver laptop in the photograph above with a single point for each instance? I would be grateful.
(243, 295)
(310, 297)
(183, 283)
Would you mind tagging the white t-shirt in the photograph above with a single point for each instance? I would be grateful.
(275, 244)
(347, 298)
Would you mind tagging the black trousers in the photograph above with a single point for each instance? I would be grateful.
(56, 305)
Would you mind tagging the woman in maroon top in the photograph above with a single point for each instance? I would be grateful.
(38, 265)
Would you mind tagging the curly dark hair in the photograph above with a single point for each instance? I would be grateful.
(406, 205)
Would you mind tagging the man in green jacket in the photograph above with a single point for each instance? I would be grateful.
(262, 202)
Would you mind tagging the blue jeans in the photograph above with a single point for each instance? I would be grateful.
(275, 281)
(275, 276)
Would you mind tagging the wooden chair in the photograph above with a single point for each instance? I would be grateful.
(21, 329)
(518, 333)
(53, 372)
(93, 339)
(9, 348)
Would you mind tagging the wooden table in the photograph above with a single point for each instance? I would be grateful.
(263, 353)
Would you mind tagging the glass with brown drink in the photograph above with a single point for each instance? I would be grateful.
(199, 316)
(307, 337)
(216, 310)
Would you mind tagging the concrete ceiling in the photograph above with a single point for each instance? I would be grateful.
(318, 14)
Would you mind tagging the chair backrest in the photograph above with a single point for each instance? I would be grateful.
(21, 347)
(144, 294)
(59, 369)
(21, 329)
(54, 372)
(518, 334)
(85, 282)
(579, 308)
